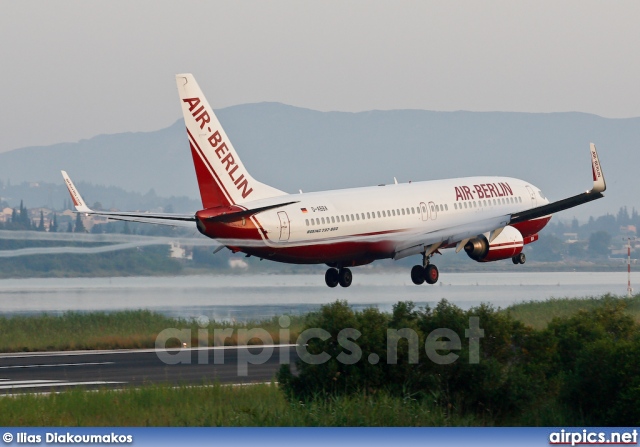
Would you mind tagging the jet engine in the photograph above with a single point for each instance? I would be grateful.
(508, 244)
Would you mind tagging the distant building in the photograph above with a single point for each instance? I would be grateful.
(570, 238)
(179, 252)
(628, 230)
(5, 215)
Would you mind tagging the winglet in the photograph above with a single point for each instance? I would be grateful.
(599, 185)
(75, 195)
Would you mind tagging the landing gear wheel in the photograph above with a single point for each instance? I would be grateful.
(332, 277)
(431, 274)
(417, 274)
(345, 277)
(519, 258)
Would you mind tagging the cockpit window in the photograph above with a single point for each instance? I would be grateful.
(541, 195)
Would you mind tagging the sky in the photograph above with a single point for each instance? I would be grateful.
(75, 69)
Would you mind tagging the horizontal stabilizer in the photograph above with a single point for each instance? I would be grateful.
(230, 217)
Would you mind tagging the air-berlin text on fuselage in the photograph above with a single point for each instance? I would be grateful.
(483, 191)
(222, 152)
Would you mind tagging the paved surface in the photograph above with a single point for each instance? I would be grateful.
(45, 372)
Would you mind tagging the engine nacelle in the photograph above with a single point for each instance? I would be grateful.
(508, 244)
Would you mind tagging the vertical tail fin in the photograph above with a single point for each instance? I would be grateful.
(78, 202)
(222, 178)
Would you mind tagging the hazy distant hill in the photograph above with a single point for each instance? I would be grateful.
(293, 148)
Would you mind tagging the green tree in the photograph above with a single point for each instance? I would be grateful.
(53, 227)
(41, 224)
(79, 224)
(599, 243)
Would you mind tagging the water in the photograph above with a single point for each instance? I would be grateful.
(247, 296)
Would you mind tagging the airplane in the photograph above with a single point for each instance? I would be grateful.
(490, 218)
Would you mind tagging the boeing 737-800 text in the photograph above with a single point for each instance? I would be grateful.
(490, 218)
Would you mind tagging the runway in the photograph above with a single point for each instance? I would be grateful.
(55, 371)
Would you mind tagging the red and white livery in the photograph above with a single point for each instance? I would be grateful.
(490, 218)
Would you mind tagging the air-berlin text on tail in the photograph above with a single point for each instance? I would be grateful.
(595, 164)
(483, 191)
(221, 150)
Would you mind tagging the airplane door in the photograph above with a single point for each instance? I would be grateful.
(532, 194)
(424, 211)
(284, 225)
(434, 210)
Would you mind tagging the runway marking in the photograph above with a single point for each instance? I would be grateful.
(15, 384)
(56, 364)
(136, 351)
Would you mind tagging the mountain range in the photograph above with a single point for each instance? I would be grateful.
(293, 148)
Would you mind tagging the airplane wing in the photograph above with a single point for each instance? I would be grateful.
(181, 220)
(430, 242)
(599, 186)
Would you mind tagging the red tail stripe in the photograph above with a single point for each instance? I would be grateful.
(205, 160)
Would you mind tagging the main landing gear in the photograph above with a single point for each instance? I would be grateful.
(519, 259)
(333, 277)
(425, 273)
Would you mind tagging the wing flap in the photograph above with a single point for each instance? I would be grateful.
(448, 236)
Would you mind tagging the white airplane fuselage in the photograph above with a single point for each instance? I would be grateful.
(359, 225)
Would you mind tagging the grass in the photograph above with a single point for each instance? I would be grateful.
(217, 405)
(140, 328)
(538, 314)
(117, 330)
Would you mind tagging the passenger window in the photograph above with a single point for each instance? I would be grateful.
(424, 210)
(394, 212)
(446, 207)
(342, 218)
(384, 214)
(378, 214)
(455, 206)
(368, 215)
(352, 218)
(465, 205)
(403, 211)
(347, 218)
